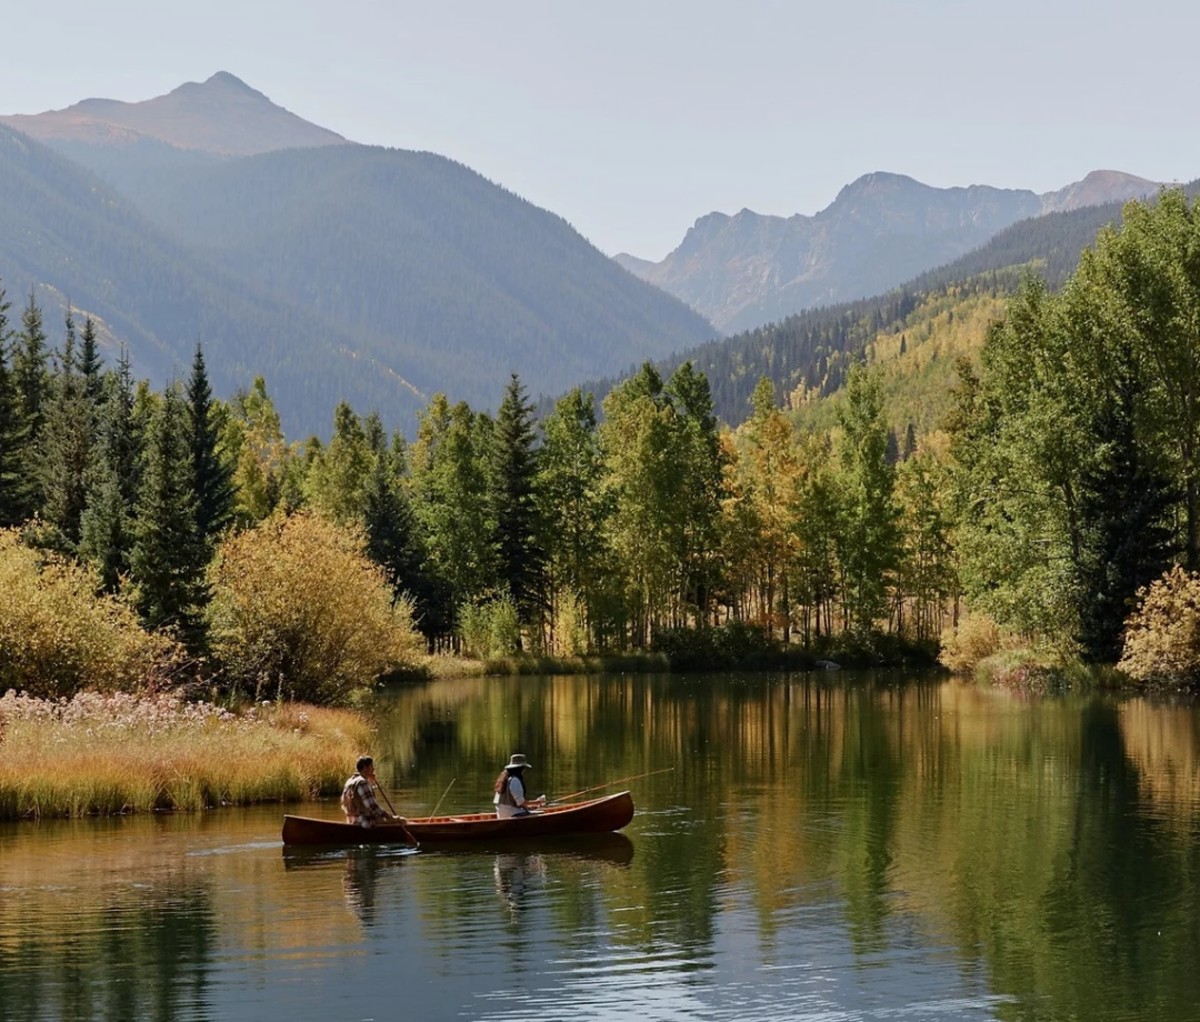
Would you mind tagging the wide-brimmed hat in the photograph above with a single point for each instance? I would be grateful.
(518, 760)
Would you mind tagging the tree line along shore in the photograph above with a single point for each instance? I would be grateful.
(166, 541)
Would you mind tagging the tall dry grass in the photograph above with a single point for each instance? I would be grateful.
(103, 754)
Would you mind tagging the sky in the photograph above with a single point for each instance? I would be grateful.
(633, 119)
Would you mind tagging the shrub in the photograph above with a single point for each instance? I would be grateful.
(1162, 637)
(298, 609)
(976, 638)
(490, 628)
(728, 645)
(57, 635)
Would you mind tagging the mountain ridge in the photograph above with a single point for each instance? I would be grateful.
(883, 228)
(221, 116)
(337, 272)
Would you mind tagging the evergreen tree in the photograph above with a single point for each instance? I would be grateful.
(212, 475)
(31, 379)
(30, 366)
(14, 497)
(64, 448)
(112, 484)
(89, 362)
(391, 530)
(1125, 506)
(513, 508)
(449, 501)
(168, 559)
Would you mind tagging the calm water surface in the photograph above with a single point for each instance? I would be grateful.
(827, 847)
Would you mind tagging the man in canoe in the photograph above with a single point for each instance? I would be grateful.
(358, 796)
(510, 797)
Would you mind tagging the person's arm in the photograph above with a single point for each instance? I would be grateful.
(519, 796)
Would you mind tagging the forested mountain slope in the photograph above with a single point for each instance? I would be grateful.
(806, 355)
(65, 234)
(746, 270)
(338, 271)
(440, 274)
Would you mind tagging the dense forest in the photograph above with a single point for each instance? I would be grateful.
(1061, 485)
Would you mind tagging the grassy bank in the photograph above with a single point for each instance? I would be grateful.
(96, 754)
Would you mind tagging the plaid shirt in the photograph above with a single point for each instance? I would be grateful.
(358, 801)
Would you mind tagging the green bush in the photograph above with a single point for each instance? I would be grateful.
(728, 645)
(58, 636)
(299, 611)
(490, 628)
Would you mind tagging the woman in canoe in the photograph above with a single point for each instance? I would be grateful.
(358, 796)
(510, 797)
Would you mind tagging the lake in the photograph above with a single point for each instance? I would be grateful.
(831, 846)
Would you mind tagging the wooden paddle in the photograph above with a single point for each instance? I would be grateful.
(398, 822)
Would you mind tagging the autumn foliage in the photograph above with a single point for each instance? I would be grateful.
(57, 636)
(299, 611)
(1162, 637)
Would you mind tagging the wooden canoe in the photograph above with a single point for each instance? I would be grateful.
(597, 816)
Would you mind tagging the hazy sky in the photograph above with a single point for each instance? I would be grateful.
(632, 119)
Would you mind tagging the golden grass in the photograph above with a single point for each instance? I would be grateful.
(103, 754)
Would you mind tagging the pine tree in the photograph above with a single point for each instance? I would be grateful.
(13, 495)
(391, 529)
(30, 365)
(112, 483)
(30, 380)
(168, 560)
(64, 448)
(512, 505)
(212, 475)
(1127, 539)
(89, 362)
(448, 489)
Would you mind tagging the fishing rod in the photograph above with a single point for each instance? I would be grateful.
(609, 784)
(439, 801)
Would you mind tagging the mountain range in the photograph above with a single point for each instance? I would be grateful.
(341, 271)
(335, 270)
(746, 270)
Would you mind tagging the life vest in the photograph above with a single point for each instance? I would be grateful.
(506, 797)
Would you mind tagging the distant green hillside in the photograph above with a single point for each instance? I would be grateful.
(441, 277)
(63, 232)
(940, 313)
(345, 272)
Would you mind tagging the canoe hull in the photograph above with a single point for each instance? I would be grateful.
(597, 816)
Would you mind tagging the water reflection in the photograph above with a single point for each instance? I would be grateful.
(869, 847)
(516, 873)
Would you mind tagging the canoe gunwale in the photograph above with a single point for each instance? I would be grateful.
(596, 816)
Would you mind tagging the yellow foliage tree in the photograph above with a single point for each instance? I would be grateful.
(1162, 637)
(58, 636)
(299, 610)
